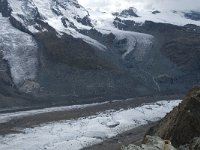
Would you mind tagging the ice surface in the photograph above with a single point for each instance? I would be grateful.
(138, 42)
(20, 50)
(83, 132)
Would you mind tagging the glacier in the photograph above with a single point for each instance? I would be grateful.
(20, 50)
(83, 132)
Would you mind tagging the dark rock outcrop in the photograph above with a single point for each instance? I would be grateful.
(155, 12)
(193, 15)
(5, 9)
(127, 13)
(182, 124)
(85, 21)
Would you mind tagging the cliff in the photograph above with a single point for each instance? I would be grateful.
(182, 124)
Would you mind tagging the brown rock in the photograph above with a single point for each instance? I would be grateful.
(182, 124)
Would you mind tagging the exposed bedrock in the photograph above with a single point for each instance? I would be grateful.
(182, 124)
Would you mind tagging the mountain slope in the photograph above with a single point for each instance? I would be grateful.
(58, 52)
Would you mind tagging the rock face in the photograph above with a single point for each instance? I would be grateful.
(151, 143)
(127, 13)
(194, 144)
(155, 12)
(182, 124)
(193, 15)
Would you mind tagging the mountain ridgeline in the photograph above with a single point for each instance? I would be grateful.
(52, 54)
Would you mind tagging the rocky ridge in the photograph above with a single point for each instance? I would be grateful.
(182, 124)
(181, 127)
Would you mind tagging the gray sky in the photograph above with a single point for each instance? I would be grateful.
(113, 5)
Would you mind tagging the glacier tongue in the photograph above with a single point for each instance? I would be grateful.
(137, 42)
(20, 50)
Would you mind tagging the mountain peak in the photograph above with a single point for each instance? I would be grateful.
(130, 12)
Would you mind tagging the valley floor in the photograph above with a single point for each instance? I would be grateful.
(77, 127)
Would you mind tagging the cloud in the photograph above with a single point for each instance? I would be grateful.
(114, 5)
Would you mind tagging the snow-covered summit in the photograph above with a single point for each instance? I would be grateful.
(50, 11)
(172, 12)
